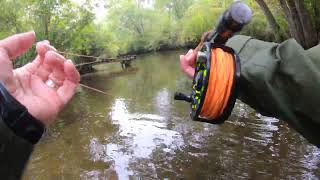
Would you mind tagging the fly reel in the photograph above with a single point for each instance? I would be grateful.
(204, 89)
(217, 70)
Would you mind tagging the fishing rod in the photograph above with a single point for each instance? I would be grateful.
(217, 71)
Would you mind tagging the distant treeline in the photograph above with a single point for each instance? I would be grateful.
(136, 26)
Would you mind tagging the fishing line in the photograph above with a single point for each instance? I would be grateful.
(221, 81)
(94, 89)
(83, 85)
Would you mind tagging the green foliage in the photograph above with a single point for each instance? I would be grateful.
(176, 8)
(257, 28)
(67, 25)
(10, 22)
(176, 23)
(130, 26)
(199, 18)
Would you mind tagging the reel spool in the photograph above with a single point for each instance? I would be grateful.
(217, 70)
(201, 99)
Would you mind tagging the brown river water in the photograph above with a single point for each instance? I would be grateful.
(140, 132)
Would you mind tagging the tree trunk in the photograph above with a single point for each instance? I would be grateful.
(309, 32)
(271, 20)
(291, 22)
(46, 28)
(316, 9)
(295, 25)
(300, 24)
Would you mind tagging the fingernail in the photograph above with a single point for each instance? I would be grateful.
(56, 55)
(29, 33)
(188, 55)
(46, 41)
(53, 48)
(70, 61)
(27, 36)
(47, 47)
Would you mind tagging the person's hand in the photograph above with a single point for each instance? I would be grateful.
(188, 63)
(43, 86)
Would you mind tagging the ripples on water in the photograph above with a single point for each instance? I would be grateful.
(141, 132)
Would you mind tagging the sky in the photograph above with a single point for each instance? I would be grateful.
(99, 9)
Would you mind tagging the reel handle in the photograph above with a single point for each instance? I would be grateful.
(182, 97)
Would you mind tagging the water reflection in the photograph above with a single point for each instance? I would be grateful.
(142, 134)
(162, 102)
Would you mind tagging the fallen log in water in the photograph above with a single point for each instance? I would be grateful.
(87, 67)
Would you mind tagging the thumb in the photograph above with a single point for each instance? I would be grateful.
(18, 44)
(185, 67)
(192, 57)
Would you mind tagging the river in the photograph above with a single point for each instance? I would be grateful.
(140, 132)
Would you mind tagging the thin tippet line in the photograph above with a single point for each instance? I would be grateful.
(94, 89)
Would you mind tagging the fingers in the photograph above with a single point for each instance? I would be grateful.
(40, 89)
(188, 62)
(55, 62)
(66, 91)
(54, 59)
(37, 67)
(17, 44)
(191, 57)
(43, 47)
(43, 71)
(5, 64)
(61, 68)
(71, 72)
(23, 80)
(64, 74)
(6, 73)
(189, 52)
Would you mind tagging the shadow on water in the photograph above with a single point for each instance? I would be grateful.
(140, 132)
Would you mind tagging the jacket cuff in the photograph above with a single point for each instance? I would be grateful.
(14, 153)
(18, 119)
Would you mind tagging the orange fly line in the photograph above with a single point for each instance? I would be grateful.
(220, 84)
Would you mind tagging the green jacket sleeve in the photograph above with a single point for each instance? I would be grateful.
(282, 81)
(14, 153)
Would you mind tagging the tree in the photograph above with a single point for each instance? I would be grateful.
(316, 10)
(11, 17)
(271, 20)
(300, 23)
(175, 7)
